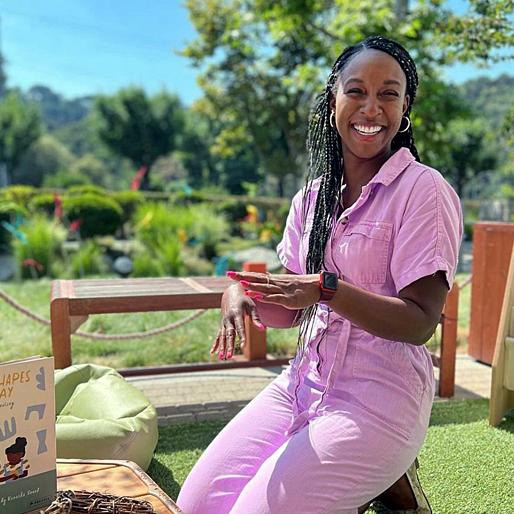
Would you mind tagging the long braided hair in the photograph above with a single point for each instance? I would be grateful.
(326, 158)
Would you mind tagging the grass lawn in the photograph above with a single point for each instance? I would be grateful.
(467, 467)
(21, 337)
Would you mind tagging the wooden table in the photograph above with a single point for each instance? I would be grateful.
(72, 301)
(118, 477)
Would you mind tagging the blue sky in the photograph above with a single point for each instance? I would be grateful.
(81, 47)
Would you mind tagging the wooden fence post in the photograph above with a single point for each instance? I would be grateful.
(255, 348)
(449, 343)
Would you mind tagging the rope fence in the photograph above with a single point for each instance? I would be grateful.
(104, 337)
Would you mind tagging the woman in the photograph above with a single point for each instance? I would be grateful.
(370, 251)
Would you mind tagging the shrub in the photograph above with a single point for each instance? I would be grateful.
(43, 202)
(129, 201)
(99, 215)
(146, 266)
(65, 179)
(36, 255)
(88, 261)
(208, 229)
(87, 189)
(168, 255)
(19, 194)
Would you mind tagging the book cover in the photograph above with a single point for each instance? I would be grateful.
(28, 479)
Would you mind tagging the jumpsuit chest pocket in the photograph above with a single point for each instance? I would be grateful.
(364, 251)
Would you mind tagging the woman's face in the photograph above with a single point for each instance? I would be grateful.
(369, 103)
(15, 457)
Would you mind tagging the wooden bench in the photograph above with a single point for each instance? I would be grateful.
(72, 301)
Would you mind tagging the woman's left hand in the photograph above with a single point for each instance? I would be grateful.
(289, 291)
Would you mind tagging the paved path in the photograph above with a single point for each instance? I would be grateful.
(197, 396)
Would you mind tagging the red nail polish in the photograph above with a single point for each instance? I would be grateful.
(260, 326)
(231, 274)
(244, 283)
(229, 355)
(254, 294)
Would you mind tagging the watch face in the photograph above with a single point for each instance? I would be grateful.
(330, 281)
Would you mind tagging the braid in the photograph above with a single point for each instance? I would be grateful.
(326, 158)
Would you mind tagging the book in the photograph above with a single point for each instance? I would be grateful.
(28, 478)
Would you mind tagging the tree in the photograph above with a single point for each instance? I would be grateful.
(139, 128)
(20, 127)
(263, 61)
(3, 76)
(45, 157)
(470, 151)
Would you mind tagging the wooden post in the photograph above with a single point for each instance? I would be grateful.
(61, 332)
(492, 245)
(449, 344)
(502, 379)
(255, 347)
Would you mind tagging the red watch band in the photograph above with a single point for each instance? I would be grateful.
(327, 285)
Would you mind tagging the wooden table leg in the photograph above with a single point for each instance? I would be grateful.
(61, 332)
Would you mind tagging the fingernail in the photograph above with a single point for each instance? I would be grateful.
(220, 355)
(254, 294)
(260, 326)
(244, 283)
(231, 274)
(229, 355)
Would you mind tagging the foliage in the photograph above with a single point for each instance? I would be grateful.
(262, 62)
(88, 260)
(44, 158)
(20, 194)
(91, 167)
(86, 189)
(44, 203)
(468, 151)
(55, 110)
(137, 127)
(64, 179)
(20, 127)
(145, 265)
(99, 215)
(37, 254)
(129, 201)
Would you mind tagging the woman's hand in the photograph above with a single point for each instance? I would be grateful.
(289, 291)
(234, 306)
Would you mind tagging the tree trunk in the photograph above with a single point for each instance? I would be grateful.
(280, 187)
(400, 9)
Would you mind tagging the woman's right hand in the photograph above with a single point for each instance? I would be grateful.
(234, 306)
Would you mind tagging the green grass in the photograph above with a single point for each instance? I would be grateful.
(467, 467)
(21, 337)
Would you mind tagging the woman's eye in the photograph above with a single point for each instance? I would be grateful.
(391, 93)
(354, 90)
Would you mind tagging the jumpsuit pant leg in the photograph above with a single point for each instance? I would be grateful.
(238, 451)
(336, 462)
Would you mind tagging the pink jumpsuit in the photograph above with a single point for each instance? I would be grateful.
(331, 433)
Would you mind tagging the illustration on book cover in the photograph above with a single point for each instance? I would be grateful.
(27, 435)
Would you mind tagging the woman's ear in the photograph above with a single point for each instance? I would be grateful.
(406, 102)
(332, 102)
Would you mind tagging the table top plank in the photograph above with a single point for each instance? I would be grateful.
(65, 470)
(117, 480)
(121, 478)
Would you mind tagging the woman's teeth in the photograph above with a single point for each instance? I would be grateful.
(367, 130)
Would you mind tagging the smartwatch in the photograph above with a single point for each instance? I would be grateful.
(328, 283)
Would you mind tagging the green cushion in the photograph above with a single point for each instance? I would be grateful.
(101, 416)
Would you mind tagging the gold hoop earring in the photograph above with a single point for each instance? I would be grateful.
(407, 127)
(332, 119)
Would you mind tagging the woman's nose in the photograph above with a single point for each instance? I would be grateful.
(371, 107)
